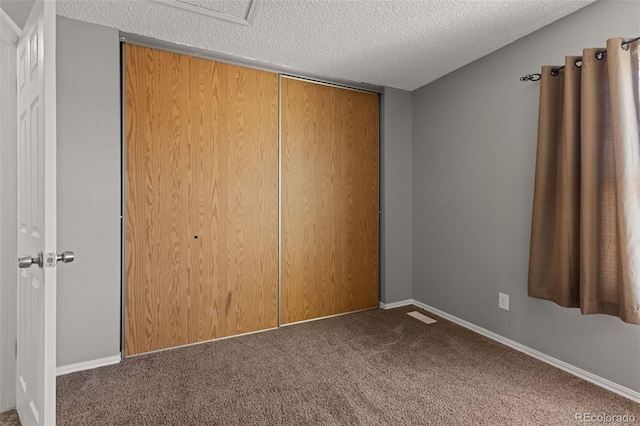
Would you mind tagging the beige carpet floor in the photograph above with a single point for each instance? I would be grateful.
(369, 368)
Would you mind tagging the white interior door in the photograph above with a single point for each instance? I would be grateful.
(36, 334)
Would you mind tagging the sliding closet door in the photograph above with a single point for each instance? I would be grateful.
(201, 200)
(329, 140)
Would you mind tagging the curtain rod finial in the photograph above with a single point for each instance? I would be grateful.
(531, 77)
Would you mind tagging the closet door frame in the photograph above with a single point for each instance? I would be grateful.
(134, 39)
(123, 195)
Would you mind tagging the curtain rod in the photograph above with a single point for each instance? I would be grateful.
(578, 62)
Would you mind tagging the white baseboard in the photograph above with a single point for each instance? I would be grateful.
(583, 374)
(88, 365)
(396, 304)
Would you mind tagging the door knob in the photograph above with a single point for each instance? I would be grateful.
(52, 259)
(27, 261)
(66, 257)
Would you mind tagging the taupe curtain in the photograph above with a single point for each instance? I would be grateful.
(585, 234)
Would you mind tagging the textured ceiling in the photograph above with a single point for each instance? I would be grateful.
(397, 43)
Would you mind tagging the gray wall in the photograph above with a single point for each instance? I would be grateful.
(395, 193)
(18, 10)
(88, 89)
(474, 153)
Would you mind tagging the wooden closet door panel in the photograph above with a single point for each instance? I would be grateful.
(201, 200)
(329, 200)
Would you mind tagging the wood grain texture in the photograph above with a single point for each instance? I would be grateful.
(201, 161)
(329, 200)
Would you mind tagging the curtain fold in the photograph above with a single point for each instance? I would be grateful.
(585, 234)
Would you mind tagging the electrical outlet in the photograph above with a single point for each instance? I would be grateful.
(503, 301)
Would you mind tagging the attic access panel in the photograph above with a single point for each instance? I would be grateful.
(238, 12)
